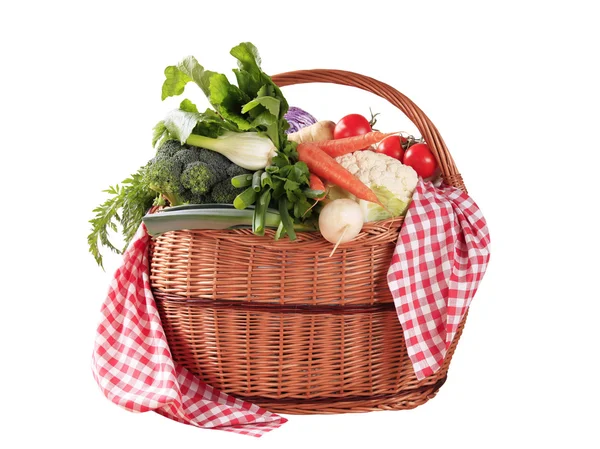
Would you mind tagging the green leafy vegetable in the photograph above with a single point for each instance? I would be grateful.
(127, 204)
(255, 105)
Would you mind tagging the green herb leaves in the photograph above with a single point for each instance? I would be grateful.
(125, 207)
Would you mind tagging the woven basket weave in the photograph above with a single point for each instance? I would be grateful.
(284, 325)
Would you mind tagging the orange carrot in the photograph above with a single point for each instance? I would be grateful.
(316, 184)
(326, 167)
(339, 147)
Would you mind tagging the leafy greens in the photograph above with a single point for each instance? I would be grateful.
(255, 104)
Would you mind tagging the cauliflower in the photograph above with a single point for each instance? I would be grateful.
(392, 182)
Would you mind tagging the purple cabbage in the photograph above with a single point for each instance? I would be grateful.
(298, 119)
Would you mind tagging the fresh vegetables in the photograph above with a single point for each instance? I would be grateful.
(351, 125)
(420, 158)
(252, 160)
(320, 131)
(340, 221)
(316, 184)
(316, 190)
(392, 182)
(339, 147)
(247, 116)
(298, 119)
(392, 146)
(188, 174)
(248, 150)
(325, 167)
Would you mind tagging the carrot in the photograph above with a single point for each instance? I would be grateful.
(339, 147)
(326, 167)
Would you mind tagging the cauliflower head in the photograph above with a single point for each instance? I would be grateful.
(392, 182)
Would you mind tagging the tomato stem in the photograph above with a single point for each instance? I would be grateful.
(373, 119)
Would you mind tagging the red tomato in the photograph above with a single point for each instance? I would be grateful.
(419, 157)
(350, 126)
(392, 146)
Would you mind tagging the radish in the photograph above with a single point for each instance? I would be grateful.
(340, 221)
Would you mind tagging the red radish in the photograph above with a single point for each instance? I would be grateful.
(316, 184)
(339, 147)
(326, 167)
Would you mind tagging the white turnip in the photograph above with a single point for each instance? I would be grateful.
(340, 221)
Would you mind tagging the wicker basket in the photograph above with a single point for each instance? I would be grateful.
(282, 324)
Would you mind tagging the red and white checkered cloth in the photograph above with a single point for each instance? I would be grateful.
(133, 366)
(440, 258)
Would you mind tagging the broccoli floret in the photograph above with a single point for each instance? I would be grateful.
(191, 198)
(225, 192)
(162, 174)
(215, 160)
(169, 148)
(199, 178)
(187, 156)
(235, 170)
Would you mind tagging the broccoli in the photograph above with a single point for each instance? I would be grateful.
(224, 192)
(169, 148)
(199, 177)
(186, 174)
(187, 156)
(235, 170)
(215, 160)
(163, 174)
(191, 198)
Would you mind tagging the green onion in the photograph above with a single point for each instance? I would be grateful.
(245, 199)
(260, 212)
(265, 180)
(256, 180)
(280, 231)
(288, 224)
(241, 181)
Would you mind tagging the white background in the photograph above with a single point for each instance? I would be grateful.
(512, 87)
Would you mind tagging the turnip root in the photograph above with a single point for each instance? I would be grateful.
(322, 130)
(340, 221)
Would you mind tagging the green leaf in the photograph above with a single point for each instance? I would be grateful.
(229, 100)
(248, 58)
(249, 75)
(180, 124)
(125, 208)
(291, 185)
(271, 104)
(175, 82)
(159, 134)
(187, 106)
(212, 125)
(194, 71)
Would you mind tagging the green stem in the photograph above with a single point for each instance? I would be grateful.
(245, 199)
(288, 224)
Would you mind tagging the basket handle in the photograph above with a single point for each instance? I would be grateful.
(426, 128)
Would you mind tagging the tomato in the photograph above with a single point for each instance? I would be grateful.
(350, 126)
(392, 146)
(419, 157)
